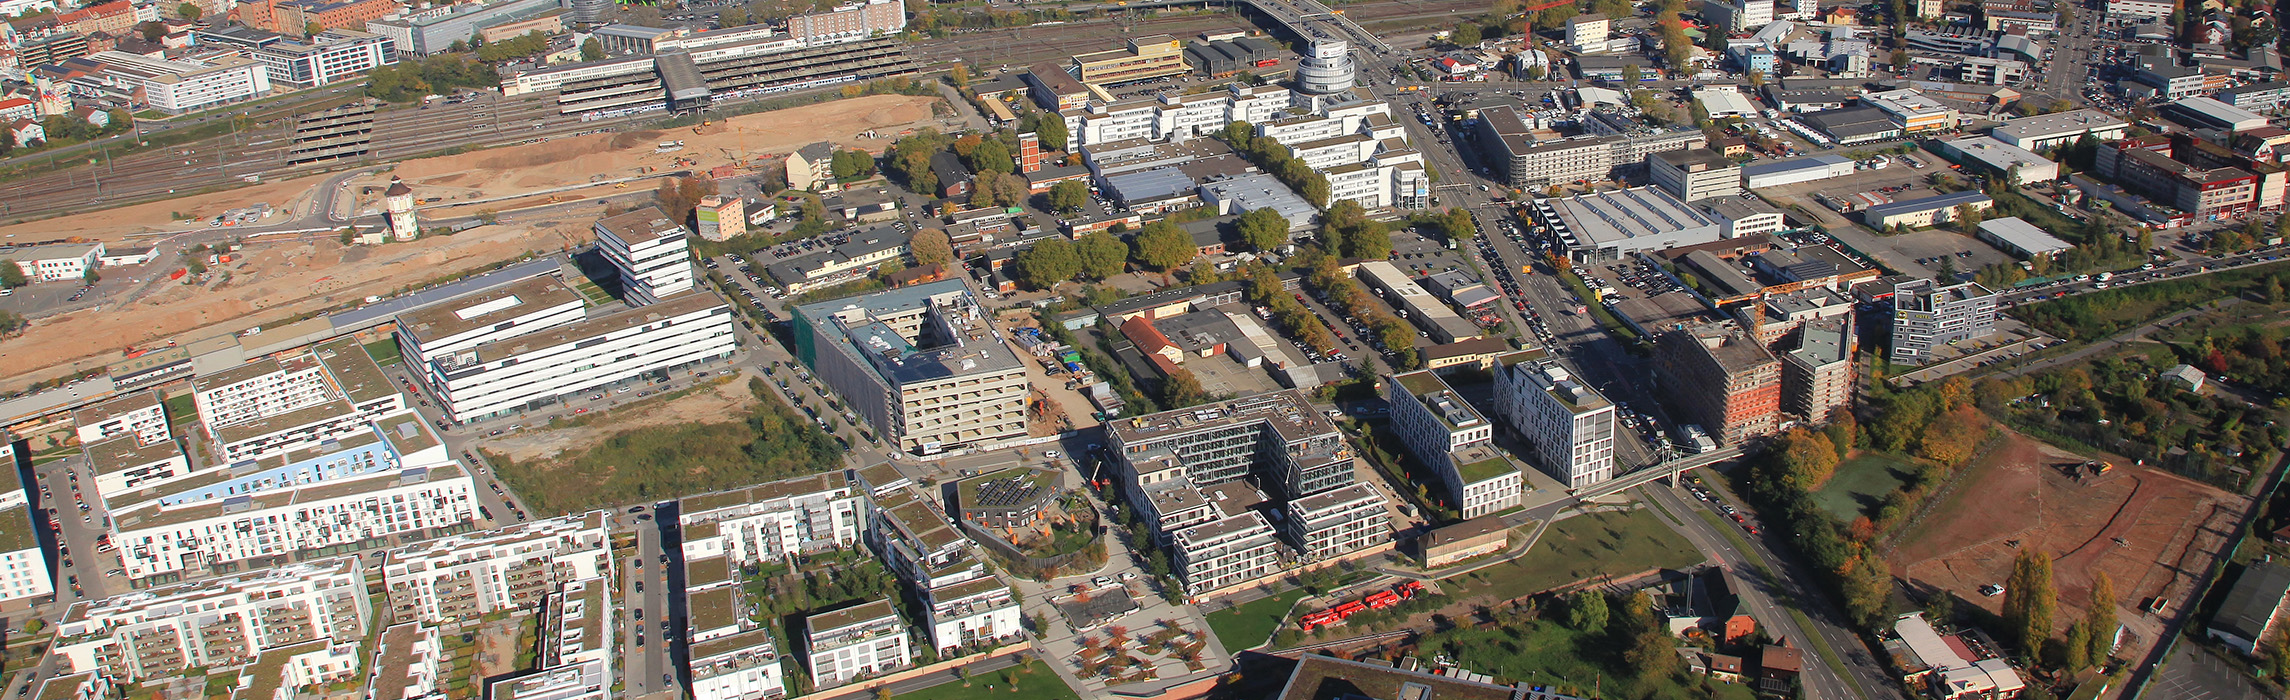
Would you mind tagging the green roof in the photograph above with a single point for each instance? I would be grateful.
(715, 605)
(1482, 470)
(354, 371)
(701, 573)
(1421, 382)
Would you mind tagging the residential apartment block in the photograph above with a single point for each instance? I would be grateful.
(516, 567)
(24, 574)
(921, 364)
(1527, 162)
(269, 407)
(1818, 376)
(139, 414)
(743, 666)
(1230, 551)
(971, 614)
(217, 622)
(1277, 436)
(1452, 438)
(775, 522)
(917, 543)
(1336, 522)
(1720, 378)
(1927, 315)
(577, 648)
(1568, 423)
(863, 640)
(1694, 174)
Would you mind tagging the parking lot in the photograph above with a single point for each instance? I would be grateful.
(1935, 249)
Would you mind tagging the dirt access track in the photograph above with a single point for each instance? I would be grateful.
(2152, 532)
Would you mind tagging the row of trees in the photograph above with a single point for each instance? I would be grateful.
(1346, 230)
(533, 43)
(2031, 604)
(1274, 158)
(1098, 255)
(1265, 289)
(409, 80)
(1353, 301)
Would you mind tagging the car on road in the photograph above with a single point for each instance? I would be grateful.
(1101, 581)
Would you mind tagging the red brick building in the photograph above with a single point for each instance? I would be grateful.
(1722, 379)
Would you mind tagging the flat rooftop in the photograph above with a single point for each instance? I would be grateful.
(486, 309)
(760, 493)
(125, 404)
(355, 372)
(1611, 218)
(614, 322)
(978, 349)
(640, 226)
(1286, 411)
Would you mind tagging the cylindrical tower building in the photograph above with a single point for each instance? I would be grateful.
(1326, 67)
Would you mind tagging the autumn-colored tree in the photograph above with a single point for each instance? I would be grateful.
(2030, 600)
(931, 247)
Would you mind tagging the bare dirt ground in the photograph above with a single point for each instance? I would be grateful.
(2151, 532)
(280, 278)
(724, 401)
(744, 142)
(272, 279)
(119, 224)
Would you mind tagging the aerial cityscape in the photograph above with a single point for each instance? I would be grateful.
(1230, 350)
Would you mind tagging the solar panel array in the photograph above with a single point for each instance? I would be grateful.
(1006, 492)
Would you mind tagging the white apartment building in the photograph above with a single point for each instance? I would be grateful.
(776, 521)
(1260, 103)
(577, 649)
(1569, 425)
(176, 87)
(24, 573)
(1452, 438)
(1693, 174)
(260, 389)
(856, 642)
(520, 307)
(973, 613)
(534, 369)
(409, 664)
(1338, 522)
(1193, 116)
(1912, 111)
(159, 537)
(1301, 128)
(1227, 552)
(2140, 8)
(140, 414)
(217, 622)
(511, 568)
(652, 252)
(60, 262)
(743, 666)
(123, 464)
(1128, 119)
(916, 542)
(1325, 153)
(270, 407)
(920, 364)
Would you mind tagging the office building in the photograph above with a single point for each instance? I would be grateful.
(324, 58)
(857, 642)
(543, 365)
(1720, 378)
(2140, 9)
(1817, 377)
(1568, 423)
(775, 522)
(1144, 58)
(2266, 98)
(435, 31)
(1425, 310)
(457, 327)
(1337, 522)
(651, 251)
(1695, 174)
(2185, 175)
(2013, 164)
(1528, 163)
(721, 218)
(176, 87)
(2044, 132)
(920, 364)
(25, 578)
(1927, 211)
(863, 251)
(1927, 315)
(271, 407)
(744, 666)
(219, 622)
(971, 615)
(1455, 441)
(55, 262)
(1912, 111)
(512, 568)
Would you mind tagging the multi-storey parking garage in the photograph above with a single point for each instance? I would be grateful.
(684, 81)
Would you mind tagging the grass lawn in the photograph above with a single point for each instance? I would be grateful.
(1582, 547)
(181, 409)
(384, 351)
(1033, 682)
(1553, 657)
(1250, 624)
(1861, 483)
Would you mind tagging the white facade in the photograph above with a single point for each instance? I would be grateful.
(1227, 552)
(511, 568)
(740, 667)
(215, 622)
(977, 612)
(2140, 8)
(776, 521)
(1335, 523)
(63, 262)
(856, 642)
(521, 307)
(1569, 424)
(652, 252)
(576, 647)
(176, 87)
(156, 539)
(24, 570)
(1451, 437)
(505, 376)
(140, 414)
(258, 390)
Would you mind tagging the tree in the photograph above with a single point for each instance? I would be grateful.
(959, 75)
(1183, 389)
(152, 31)
(11, 276)
(2030, 600)
(1163, 246)
(592, 50)
(189, 10)
(1069, 196)
(91, 277)
(1048, 127)
(678, 196)
(1631, 75)
(2099, 616)
(312, 29)
(733, 16)
(1047, 263)
(1466, 34)
(931, 247)
(1263, 229)
(1586, 610)
(990, 156)
(1102, 254)
(1808, 458)
(10, 322)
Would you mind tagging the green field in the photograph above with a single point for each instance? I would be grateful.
(1033, 681)
(1548, 655)
(1247, 625)
(1861, 484)
(384, 351)
(181, 409)
(1581, 547)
